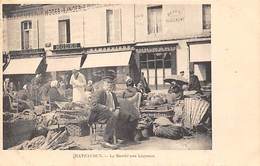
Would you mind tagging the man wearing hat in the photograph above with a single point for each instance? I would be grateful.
(105, 109)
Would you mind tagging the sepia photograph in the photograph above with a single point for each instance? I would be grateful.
(107, 77)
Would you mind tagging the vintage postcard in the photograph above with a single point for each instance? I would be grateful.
(125, 82)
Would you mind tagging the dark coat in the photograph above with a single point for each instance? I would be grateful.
(44, 91)
(194, 83)
(23, 95)
(99, 99)
(126, 121)
(99, 110)
(54, 95)
(24, 102)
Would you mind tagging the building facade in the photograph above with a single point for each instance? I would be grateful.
(158, 40)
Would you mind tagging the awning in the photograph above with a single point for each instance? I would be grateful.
(63, 63)
(23, 66)
(107, 59)
(200, 52)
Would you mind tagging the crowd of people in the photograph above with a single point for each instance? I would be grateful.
(116, 111)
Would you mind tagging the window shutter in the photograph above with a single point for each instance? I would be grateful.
(31, 38)
(117, 25)
(109, 25)
(206, 16)
(26, 39)
(62, 32)
(150, 21)
(67, 31)
(22, 36)
(158, 20)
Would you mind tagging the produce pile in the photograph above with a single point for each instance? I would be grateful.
(25, 115)
(154, 99)
(55, 140)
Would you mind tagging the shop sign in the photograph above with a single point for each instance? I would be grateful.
(29, 51)
(175, 15)
(155, 49)
(66, 46)
(49, 11)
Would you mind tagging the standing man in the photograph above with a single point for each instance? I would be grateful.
(78, 83)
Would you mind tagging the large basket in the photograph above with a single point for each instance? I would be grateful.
(17, 132)
(78, 129)
(194, 111)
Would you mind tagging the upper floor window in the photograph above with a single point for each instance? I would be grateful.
(26, 33)
(206, 16)
(113, 25)
(64, 31)
(154, 15)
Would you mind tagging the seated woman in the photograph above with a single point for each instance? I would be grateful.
(54, 94)
(90, 87)
(175, 92)
(23, 99)
(130, 89)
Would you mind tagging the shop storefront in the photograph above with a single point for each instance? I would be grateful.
(32, 61)
(157, 62)
(118, 58)
(200, 59)
(64, 58)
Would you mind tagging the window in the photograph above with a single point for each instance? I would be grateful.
(206, 16)
(64, 31)
(154, 19)
(113, 21)
(109, 25)
(26, 32)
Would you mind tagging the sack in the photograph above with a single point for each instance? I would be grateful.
(171, 132)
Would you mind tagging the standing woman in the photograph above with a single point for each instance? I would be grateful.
(78, 83)
(145, 84)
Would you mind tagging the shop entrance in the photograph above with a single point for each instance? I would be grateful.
(158, 66)
(203, 71)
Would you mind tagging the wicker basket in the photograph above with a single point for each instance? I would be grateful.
(78, 129)
(17, 132)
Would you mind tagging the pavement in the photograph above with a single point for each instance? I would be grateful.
(196, 142)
